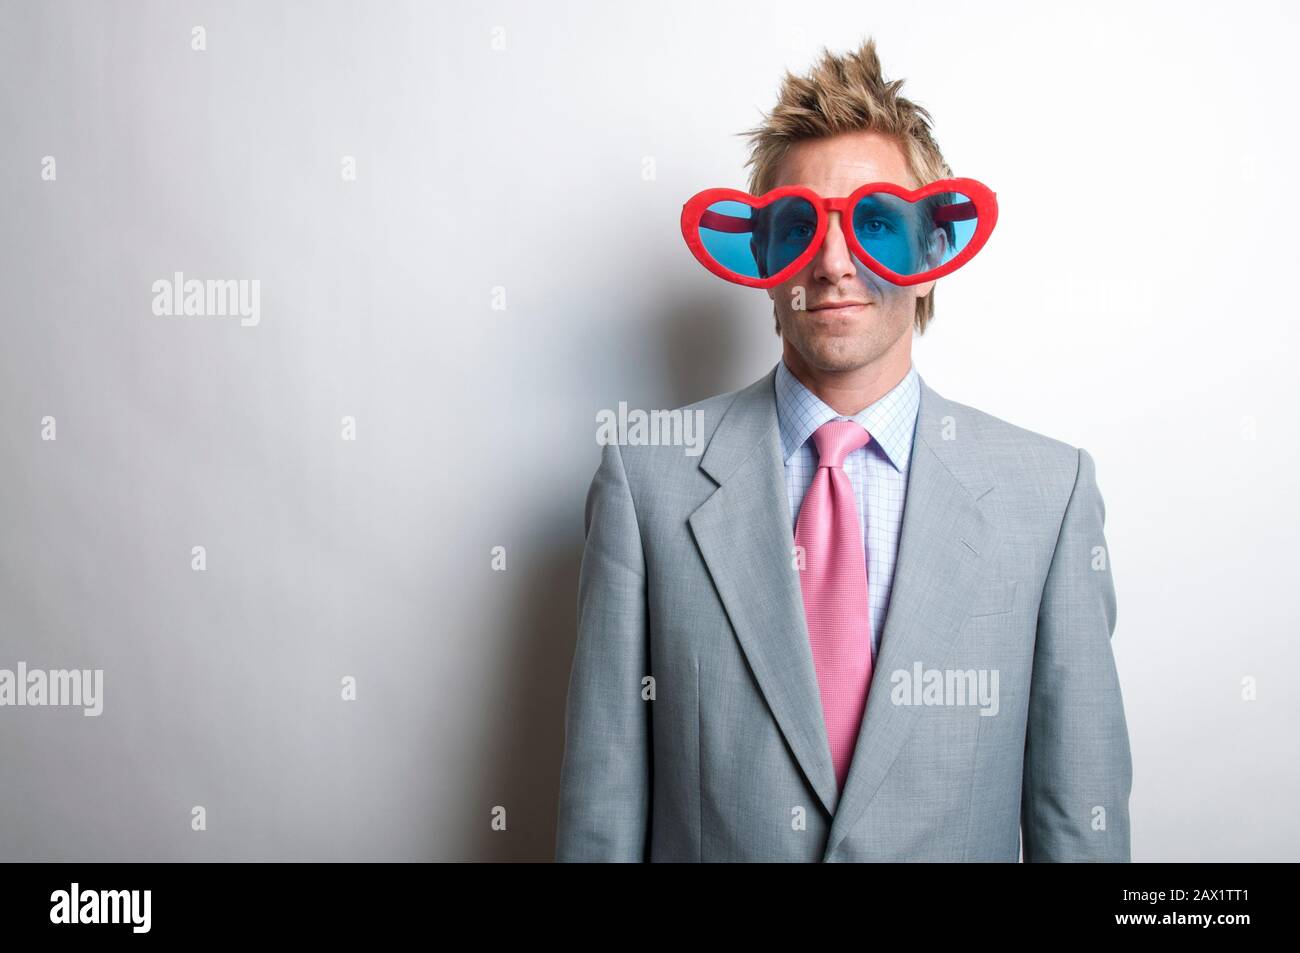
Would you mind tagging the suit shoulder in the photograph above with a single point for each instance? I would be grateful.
(1020, 453)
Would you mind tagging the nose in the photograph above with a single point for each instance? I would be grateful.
(833, 261)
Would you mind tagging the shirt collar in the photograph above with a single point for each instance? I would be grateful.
(891, 420)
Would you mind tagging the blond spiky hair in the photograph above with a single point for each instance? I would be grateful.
(846, 94)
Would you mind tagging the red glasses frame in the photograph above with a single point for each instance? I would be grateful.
(981, 205)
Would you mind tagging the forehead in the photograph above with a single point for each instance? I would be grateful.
(836, 165)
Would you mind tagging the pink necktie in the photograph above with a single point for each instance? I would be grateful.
(834, 584)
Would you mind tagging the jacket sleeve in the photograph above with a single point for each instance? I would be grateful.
(1077, 769)
(605, 778)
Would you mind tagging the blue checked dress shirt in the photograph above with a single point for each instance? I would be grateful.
(877, 471)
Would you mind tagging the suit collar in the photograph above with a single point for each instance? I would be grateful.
(891, 420)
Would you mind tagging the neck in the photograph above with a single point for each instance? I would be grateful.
(849, 392)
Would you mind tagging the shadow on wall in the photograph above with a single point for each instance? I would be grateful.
(703, 344)
(717, 343)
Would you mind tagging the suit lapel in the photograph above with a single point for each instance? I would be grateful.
(944, 546)
(747, 540)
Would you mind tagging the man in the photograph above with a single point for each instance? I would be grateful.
(868, 622)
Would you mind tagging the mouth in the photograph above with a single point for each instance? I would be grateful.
(842, 307)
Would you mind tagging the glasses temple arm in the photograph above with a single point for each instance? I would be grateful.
(957, 212)
(718, 222)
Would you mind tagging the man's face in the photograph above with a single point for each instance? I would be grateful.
(880, 319)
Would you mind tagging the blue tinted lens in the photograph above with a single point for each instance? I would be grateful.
(757, 243)
(911, 238)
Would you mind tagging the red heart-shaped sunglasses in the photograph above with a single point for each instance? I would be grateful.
(906, 236)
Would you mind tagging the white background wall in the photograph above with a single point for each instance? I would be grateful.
(1134, 300)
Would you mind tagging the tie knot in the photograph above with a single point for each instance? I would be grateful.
(836, 439)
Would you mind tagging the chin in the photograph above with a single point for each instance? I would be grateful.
(841, 355)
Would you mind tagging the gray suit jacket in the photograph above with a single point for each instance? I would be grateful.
(694, 730)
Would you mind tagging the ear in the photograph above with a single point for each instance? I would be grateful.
(936, 248)
(936, 251)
